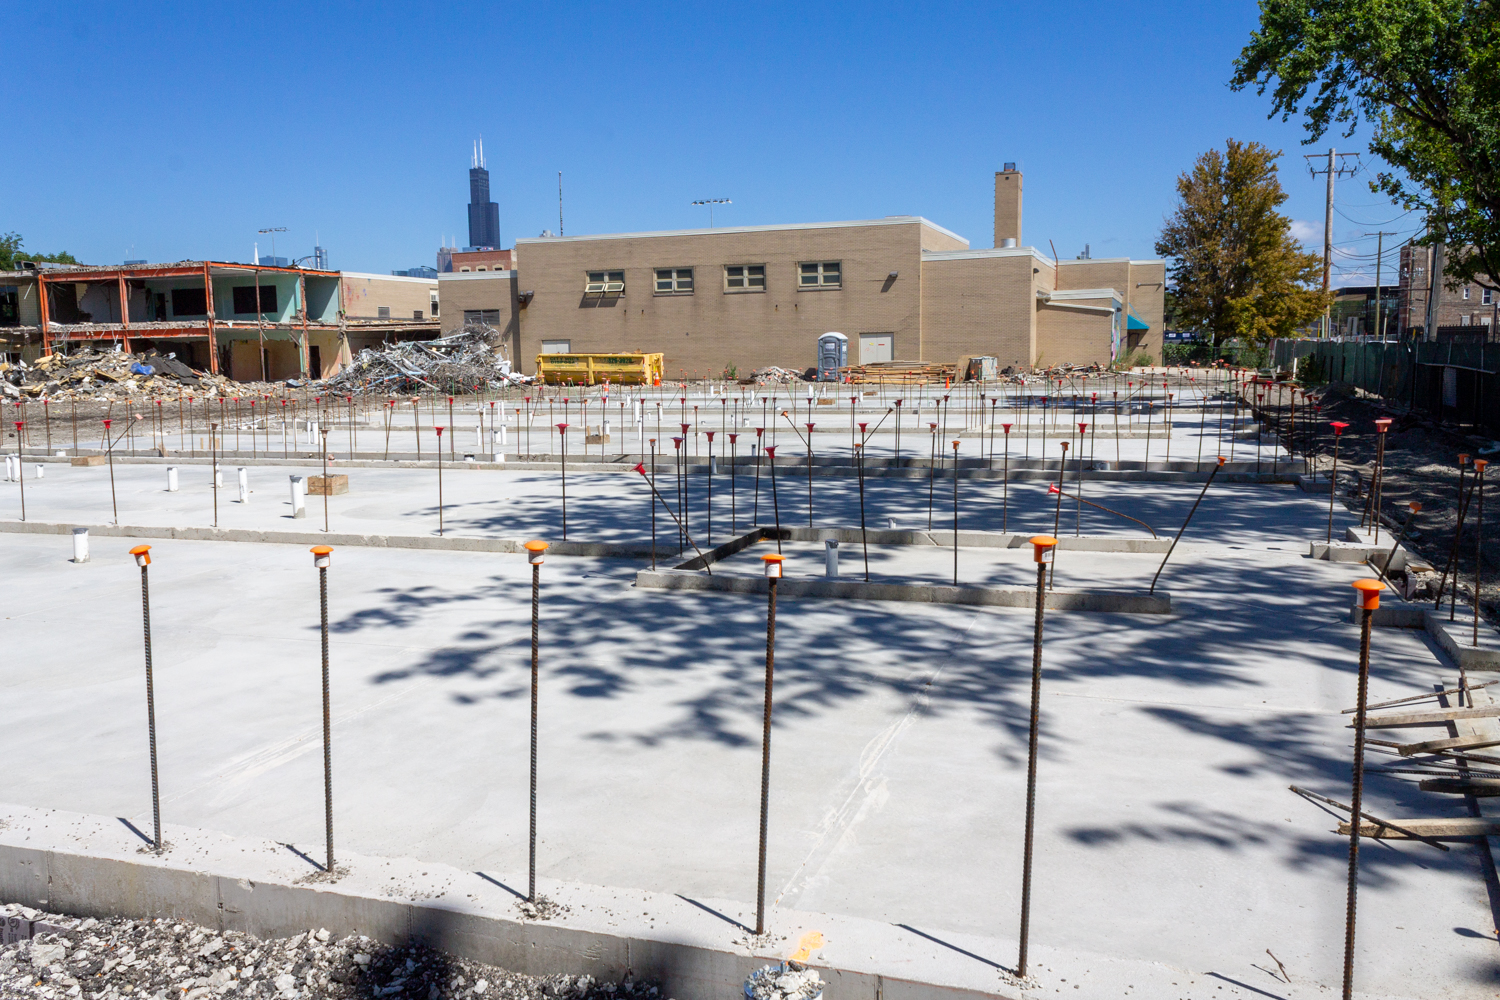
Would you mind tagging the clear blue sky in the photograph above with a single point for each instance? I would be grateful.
(172, 131)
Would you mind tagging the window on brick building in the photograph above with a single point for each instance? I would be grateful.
(745, 278)
(605, 283)
(674, 281)
(822, 274)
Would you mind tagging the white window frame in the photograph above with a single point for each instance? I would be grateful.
(679, 280)
(1466, 291)
(1487, 296)
(606, 281)
(744, 276)
(822, 275)
(549, 347)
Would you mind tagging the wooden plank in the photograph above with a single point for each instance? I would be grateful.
(1431, 718)
(1451, 743)
(1420, 697)
(1438, 829)
(1462, 786)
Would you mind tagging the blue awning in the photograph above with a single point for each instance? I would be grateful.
(1134, 323)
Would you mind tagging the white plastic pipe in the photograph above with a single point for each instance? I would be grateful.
(171, 479)
(830, 559)
(299, 495)
(40, 471)
(80, 545)
(244, 475)
(218, 477)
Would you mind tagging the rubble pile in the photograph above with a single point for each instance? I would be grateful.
(467, 361)
(109, 375)
(784, 981)
(165, 959)
(771, 375)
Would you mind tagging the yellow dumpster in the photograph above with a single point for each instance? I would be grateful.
(594, 369)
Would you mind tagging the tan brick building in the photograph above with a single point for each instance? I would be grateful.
(900, 288)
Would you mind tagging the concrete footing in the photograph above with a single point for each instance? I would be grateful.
(1124, 602)
(95, 866)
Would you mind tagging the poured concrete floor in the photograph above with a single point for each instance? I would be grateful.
(1165, 833)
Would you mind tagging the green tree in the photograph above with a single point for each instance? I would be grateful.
(10, 252)
(1426, 75)
(1235, 269)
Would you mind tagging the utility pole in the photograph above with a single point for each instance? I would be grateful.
(1335, 168)
(1379, 250)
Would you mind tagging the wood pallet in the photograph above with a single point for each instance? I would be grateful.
(901, 373)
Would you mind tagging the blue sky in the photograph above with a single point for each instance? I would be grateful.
(173, 131)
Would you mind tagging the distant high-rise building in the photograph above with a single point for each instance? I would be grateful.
(484, 215)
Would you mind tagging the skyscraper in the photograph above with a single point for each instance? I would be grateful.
(484, 215)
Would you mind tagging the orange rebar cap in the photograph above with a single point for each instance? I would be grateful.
(773, 565)
(1369, 593)
(534, 550)
(1383, 424)
(1041, 543)
(1480, 463)
(142, 555)
(321, 555)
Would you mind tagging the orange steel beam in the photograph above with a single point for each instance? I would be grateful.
(213, 345)
(41, 289)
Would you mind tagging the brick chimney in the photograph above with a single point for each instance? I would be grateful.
(1008, 206)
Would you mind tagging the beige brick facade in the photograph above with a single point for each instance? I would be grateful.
(916, 285)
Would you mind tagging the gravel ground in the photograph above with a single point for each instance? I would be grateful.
(1421, 464)
(175, 960)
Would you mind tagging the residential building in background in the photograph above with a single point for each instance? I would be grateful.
(484, 215)
(1468, 311)
(901, 288)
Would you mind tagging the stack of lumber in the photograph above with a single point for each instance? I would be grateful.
(901, 373)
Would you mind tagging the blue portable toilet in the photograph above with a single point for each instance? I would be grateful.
(833, 354)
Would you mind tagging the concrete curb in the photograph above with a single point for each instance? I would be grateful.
(1103, 472)
(1001, 597)
(449, 543)
(1453, 638)
(93, 866)
(970, 539)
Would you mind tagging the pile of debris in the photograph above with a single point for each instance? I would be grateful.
(109, 375)
(467, 361)
(771, 375)
(62, 956)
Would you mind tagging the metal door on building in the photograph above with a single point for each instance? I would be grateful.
(875, 347)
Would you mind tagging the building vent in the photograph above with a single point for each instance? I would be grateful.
(1009, 241)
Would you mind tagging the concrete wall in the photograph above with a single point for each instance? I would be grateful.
(364, 294)
(713, 327)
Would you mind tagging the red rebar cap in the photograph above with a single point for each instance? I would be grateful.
(562, 427)
(439, 431)
(107, 422)
(1383, 424)
(1369, 593)
(142, 555)
(1082, 426)
(710, 436)
(1041, 545)
(641, 467)
(534, 550)
(771, 450)
(1005, 427)
(1338, 427)
(1052, 488)
(677, 442)
(863, 425)
(773, 565)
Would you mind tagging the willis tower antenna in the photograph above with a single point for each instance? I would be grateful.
(484, 215)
